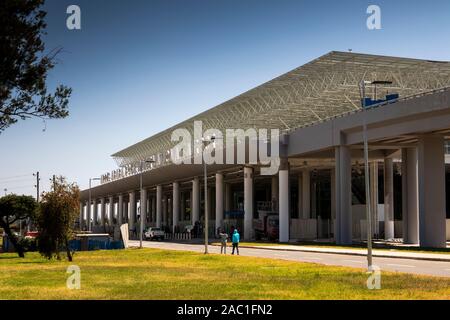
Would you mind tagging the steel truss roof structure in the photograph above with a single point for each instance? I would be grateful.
(319, 90)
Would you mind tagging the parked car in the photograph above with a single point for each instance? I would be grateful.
(154, 233)
(31, 234)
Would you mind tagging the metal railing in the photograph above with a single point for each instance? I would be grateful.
(381, 104)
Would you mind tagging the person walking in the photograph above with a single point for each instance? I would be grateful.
(223, 241)
(235, 239)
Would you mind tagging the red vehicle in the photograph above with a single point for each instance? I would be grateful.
(31, 234)
(267, 226)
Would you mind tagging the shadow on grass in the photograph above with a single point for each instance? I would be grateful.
(17, 259)
(5, 256)
(34, 262)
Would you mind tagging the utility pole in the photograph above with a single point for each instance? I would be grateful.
(37, 185)
(206, 208)
(207, 141)
(37, 196)
(88, 209)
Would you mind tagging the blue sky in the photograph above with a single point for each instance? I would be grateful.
(138, 67)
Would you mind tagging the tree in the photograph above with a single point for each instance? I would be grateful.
(24, 66)
(56, 217)
(14, 208)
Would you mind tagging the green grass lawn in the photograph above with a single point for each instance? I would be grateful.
(161, 274)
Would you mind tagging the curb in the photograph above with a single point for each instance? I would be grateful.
(375, 255)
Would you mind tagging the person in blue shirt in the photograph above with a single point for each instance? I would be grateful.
(235, 239)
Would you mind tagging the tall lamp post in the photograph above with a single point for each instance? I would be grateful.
(205, 142)
(141, 225)
(88, 213)
(366, 165)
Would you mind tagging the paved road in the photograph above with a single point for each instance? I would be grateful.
(432, 268)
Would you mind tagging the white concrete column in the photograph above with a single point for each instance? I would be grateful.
(175, 205)
(248, 203)
(120, 210)
(111, 210)
(410, 196)
(132, 210)
(88, 215)
(81, 218)
(388, 199)
(374, 196)
(283, 175)
(274, 190)
(343, 195)
(219, 201)
(306, 194)
(432, 197)
(95, 212)
(195, 205)
(228, 197)
(158, 206)
(143, 207)
(102, 212)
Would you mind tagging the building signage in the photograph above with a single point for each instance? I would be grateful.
(132, 169)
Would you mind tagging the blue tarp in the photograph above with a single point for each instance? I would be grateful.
(75, 245)
(234, 214)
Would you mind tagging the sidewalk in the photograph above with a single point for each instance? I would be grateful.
(386, 253)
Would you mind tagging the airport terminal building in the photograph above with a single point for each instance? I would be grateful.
(319, 111)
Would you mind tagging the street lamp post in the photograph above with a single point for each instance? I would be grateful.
(141, 224)
(206, 207)
(207, 141)
(88, 213)
(366, 166)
